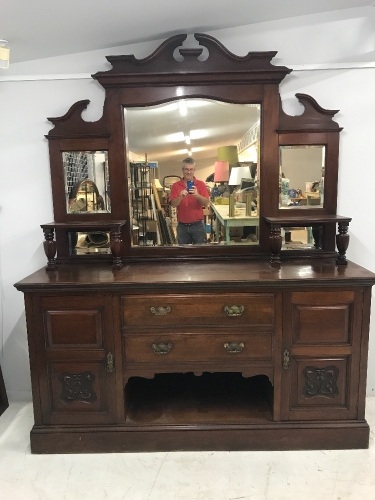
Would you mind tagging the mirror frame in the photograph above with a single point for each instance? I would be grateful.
(162, 77)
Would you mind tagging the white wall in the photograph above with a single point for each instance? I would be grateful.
(327, 54)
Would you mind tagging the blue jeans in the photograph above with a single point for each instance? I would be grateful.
(194, 233)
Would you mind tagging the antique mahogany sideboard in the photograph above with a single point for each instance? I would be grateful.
(271, 359)
(223, 346)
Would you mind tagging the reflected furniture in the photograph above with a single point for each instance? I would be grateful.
(200, 347)
(241, 220)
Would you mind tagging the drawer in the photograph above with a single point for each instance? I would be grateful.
(197, 347)
(198, 310)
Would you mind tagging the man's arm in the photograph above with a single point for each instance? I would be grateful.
(176, 200)
(202, 196)
(202, 199)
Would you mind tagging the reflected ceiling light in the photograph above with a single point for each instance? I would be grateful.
(198, 134)
(182, 108)
(187, 139)
(176, 137)
(4, 54)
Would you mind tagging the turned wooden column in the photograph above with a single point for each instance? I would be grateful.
(342, 242)
(275, 243)
(115, 241)
(49, 245)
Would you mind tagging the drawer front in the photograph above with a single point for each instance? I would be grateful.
(198, 310)
(197, 347)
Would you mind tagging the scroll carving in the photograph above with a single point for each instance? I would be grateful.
(320, 381)
(77, 387)
(255, 66)
(73, 125)
(313, 118)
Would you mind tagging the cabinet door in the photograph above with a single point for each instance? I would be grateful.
(321, 351)
(76, 367)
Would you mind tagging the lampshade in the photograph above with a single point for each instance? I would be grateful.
(237, 174)
(229, 154)
(221, 171)
(4, 54)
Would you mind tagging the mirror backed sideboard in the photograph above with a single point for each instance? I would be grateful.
(255, 339)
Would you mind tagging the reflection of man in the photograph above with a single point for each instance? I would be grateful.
(189, 202)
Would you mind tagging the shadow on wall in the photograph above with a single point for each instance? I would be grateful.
(15, 363)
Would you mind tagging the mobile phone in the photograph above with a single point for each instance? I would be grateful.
(189, 185)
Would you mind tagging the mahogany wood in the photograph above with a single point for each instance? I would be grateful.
(205, 348)
(222, 76)
(102, 373)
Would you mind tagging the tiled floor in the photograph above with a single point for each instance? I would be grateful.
(297, 475)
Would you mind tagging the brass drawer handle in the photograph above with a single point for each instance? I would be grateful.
(234, 347)
(161, 311)
(162, 348)
(234, 310)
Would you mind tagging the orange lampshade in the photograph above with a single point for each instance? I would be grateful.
(221, 171)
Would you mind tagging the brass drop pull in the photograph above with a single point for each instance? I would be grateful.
(234, 310)
(234, 347)
(286, 359)
(162, 348)
(110, 363)
(160, 310)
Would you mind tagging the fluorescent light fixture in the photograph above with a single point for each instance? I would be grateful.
(182, 107)
(176, 137)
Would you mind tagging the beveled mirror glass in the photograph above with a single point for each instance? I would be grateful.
(159, 137)
(302, 176)
(302, 238)
(86, 182)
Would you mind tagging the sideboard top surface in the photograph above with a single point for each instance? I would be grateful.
(198, 275)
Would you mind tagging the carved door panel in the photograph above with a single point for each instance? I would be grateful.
(77, 371)
(321, 354)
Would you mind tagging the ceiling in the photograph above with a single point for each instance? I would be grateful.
(161, 131)
(38, 29)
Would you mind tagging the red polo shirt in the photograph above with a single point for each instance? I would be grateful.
(189, 209)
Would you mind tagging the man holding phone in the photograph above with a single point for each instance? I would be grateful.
(189, 196)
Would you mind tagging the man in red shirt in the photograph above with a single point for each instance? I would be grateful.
(189, 202)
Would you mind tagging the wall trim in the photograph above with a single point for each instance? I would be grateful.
(88, 76)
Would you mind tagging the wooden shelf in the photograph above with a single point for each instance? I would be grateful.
(211, 398)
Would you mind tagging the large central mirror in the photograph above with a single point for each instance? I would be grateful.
(224, 141)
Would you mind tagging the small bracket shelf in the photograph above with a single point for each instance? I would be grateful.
(342, 237)
(113, 227)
